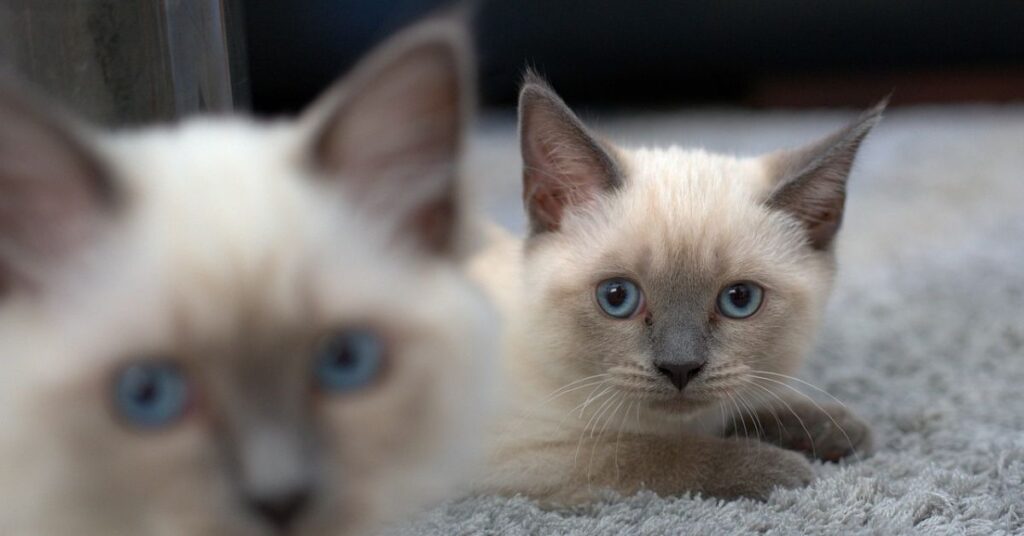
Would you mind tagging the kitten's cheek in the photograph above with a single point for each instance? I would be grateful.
(196, 411)
(642, 313)
(195, 405)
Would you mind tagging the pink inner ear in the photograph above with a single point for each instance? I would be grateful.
(546, 209)
(823, 225)
(399, 112)
(51, 192)
(560, 178)
(406, 115)
(812, 180)
(563, 165)
(435, 223)
(391, 142)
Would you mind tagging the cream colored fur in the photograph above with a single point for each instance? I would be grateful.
(585, 409)
(229, 240)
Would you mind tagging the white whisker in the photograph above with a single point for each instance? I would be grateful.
(808, 384)
(821, 409)
(810, 438)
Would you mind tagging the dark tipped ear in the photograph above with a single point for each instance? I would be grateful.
(53, 190)
(563, 164)
(811, 181)
(391, 132)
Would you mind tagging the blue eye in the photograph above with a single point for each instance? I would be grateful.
(619, 297)
(151, 395)
(348, 360)
(740, 300)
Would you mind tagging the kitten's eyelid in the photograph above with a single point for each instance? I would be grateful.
(641, 310)
(746, 280)
(142, 358)
(765, 283)
(601, 276)
(617, 275)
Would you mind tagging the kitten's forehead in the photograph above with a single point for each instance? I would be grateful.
(694, 181)
(233, 200)
(218, 175)
(229, 232)
(696, 213)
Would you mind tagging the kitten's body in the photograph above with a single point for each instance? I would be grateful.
(226, 246)
(586, 410)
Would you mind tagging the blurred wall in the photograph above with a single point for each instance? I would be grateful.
(128, 61)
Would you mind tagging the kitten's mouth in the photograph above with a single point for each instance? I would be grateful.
(682, 402)
(707, 389)
(671, 400)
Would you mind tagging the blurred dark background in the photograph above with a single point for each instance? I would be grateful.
(652, 53)
(122, 62)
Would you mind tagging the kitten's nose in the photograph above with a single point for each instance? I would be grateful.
(680, 374)
(281, 509)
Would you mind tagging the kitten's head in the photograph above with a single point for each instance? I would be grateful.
(232, 327)
(675, 277)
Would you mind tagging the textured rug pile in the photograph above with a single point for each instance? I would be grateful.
(924, 335)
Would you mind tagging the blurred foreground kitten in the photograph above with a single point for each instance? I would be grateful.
(240, 328)
(656, 310)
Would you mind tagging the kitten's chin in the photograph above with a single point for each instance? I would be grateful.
(680, 404)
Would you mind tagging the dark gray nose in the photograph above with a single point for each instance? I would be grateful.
(680, 374)
(281, 510)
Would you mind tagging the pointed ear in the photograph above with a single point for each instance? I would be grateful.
(811, 181)
(563, 164)
(391, 132)
(54, 191)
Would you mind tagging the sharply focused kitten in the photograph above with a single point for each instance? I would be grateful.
(235, 327)
(656, 310)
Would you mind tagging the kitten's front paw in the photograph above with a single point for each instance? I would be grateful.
(830, 432)
(761, 470)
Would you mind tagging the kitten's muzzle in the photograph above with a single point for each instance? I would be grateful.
(281, 510)
(276, 473)
(680, 374)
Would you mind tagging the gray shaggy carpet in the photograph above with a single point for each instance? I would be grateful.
(924, 336)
